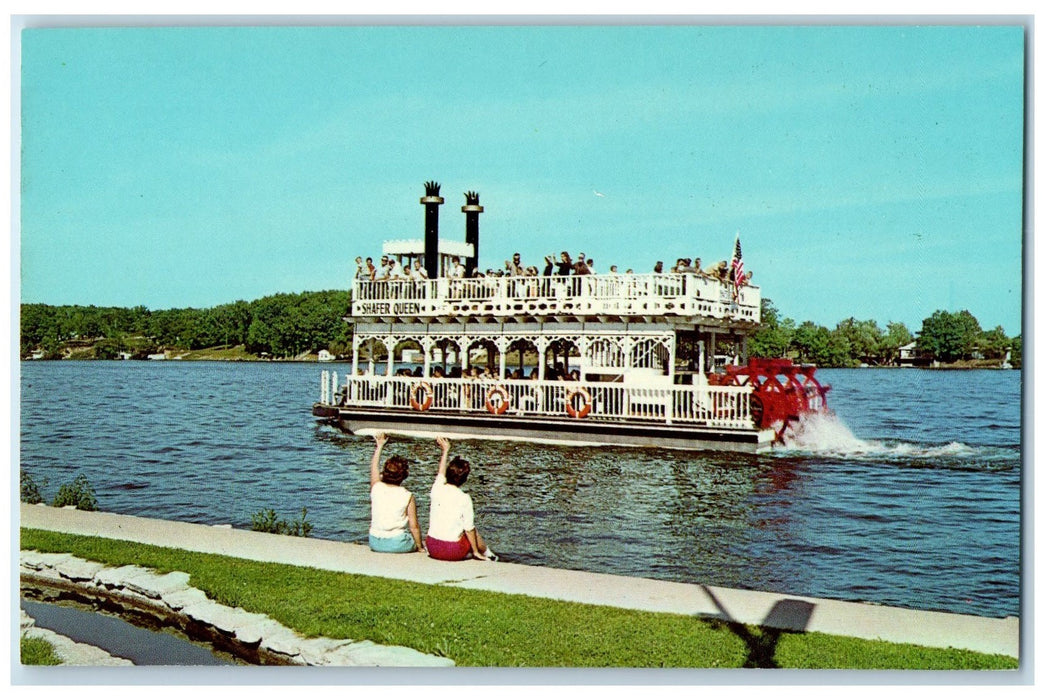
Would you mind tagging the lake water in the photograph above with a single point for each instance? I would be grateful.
(909, 496)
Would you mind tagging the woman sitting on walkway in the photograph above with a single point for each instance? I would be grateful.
(451, 529)
(393, 511)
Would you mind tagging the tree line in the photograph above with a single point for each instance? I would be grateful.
(280, 325)
(287, 325)
(945, 336)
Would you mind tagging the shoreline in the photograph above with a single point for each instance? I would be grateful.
(314, 360)
(735, 606)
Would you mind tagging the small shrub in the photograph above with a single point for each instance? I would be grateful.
(78, 493)
(37, 652)
(264, 521)
(267, 521)
(31, 491)
(302, 527)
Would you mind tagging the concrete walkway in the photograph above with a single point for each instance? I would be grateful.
(799, 613)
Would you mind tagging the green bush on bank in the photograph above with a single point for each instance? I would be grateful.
(34, 651)
(78, 492)
(32, 491)
(268, 521)
(478, 628)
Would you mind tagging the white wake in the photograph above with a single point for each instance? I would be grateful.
(825, 433)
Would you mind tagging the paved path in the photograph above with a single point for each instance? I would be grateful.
(933, 629)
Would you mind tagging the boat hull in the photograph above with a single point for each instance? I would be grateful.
(543, 430)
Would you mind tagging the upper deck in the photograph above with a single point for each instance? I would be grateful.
(628, 297)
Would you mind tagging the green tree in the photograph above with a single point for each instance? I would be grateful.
(994, 343)
(862, 338)
(810, 341)
(949, 336)
(1017, 351)
(773, 338)
(896, 336)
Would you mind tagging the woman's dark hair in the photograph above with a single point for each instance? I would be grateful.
(396, 469)
(457, 471)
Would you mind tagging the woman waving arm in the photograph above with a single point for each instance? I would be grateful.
(375, 462)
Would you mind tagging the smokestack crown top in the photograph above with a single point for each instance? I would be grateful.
(432, 193)
(471, 202)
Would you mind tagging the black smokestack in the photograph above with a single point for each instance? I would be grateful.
(432, 200)
(472, 210)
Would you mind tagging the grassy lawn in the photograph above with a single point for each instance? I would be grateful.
(478, 628)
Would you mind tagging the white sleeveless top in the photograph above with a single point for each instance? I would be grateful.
(388, 510)
(452, 513)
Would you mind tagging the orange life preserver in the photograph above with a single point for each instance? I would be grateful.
(585, 408)
(500, 407)
(424, 404)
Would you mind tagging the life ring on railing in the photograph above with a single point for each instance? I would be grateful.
(502, 405)
(424, 403)
(585, 408)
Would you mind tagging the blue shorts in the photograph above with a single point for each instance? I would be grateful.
(399, 544)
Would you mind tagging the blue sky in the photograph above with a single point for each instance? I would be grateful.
(874, 172)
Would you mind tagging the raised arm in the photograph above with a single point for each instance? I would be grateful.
(445, 445)
(375, 462)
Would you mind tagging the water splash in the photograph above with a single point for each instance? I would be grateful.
(826, 434)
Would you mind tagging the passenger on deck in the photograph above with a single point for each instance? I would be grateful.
(720, 270)
(658, 268)
(457, 270)
(452, 535)
(565, 264)
(371, 271)
(393, 511)
(514, 266)
(419, 273)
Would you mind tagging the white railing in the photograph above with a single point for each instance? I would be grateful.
(623, 295)
(712, 406)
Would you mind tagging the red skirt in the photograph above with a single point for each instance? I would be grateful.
(448, 551)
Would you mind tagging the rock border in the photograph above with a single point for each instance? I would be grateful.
(166, 600)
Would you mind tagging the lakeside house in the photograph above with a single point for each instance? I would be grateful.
(911, 356)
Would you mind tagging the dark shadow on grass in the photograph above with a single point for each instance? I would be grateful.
(787, 615)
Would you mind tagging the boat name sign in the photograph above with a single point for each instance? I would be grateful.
(380, 308)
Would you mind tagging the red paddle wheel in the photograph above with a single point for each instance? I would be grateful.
(782, 392)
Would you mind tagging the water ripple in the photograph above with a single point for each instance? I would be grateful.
(909, 496)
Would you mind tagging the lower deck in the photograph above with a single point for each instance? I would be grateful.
(548, 431)
(551, 412)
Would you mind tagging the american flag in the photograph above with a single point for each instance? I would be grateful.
(738, 268)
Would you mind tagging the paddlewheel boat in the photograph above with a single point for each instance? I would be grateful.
(638, 360)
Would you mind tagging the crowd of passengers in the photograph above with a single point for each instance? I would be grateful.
(553, 373)
(391, 269)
